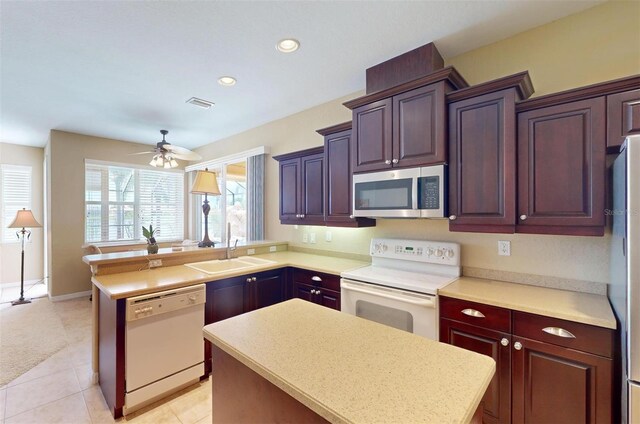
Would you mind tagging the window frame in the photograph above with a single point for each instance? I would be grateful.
(3, 202)
(136, 203)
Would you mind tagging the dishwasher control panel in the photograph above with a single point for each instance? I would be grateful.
(148, 305)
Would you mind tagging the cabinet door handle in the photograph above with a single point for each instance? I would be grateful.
(517, 345)
(316, 278)
(560, 332)
(302, 216)
(387, 162)
(248, 279)
(318, 292)
(452, 217)
(504, 341)
(472, 313)
(523, 217)
(351, 216)
(395, 161)
(254, 279)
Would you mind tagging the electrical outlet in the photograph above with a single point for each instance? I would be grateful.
(504, 248)
(251, 251)
(305, 237)
(327, 236)
(312, 238)
(272, 248)
(155, 263)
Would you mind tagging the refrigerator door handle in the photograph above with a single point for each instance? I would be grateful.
(560, 332)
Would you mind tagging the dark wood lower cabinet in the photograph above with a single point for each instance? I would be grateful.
(541, 377)
(496, 402)
(316, 287)
(552, 384)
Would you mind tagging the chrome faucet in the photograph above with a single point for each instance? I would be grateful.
(229, 248)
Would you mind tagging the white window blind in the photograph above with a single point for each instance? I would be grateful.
(119, 200)
(15, 193)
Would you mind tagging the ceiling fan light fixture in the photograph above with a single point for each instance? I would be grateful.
(227, 81)
(288, 45)
(174, 163)
(153, 161)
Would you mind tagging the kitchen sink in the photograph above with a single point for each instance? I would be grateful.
(224, 265)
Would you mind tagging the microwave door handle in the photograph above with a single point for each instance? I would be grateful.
(429, 303)
(414, 194)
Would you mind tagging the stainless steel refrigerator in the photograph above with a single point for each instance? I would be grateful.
(624, 292)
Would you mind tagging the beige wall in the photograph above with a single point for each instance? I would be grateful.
(66, 154)
(14, 154)
(596, 45)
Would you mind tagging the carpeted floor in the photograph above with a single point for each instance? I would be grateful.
(29, 334)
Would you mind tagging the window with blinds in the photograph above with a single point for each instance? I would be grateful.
(15, 193)
(120, 200)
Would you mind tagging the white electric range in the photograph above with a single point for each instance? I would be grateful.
(400, 287)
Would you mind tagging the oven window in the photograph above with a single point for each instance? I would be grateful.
(381, 195)
(396, 318)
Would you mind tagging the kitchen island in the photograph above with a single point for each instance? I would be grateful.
(297, 361)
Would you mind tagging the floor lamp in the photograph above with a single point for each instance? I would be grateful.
(206, 183)
(24, 219)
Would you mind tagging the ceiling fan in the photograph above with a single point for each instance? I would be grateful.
(165, 153)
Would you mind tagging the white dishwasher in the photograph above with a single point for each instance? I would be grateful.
(164, 344)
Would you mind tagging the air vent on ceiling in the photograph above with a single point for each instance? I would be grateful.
(205, 104)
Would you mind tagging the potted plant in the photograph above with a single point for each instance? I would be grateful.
(152, 246)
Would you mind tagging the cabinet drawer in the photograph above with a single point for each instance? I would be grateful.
(320, 279)
(574, 335)
(485, 316)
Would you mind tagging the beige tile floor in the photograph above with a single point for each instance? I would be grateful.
(59, 390)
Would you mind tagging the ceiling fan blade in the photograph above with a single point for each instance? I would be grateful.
(182, 153)
(143, 153)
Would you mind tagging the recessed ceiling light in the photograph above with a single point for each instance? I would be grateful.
(204, 104)
(227, 81)
(288, 45)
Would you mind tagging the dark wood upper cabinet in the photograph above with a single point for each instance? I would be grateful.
(482, 155)
(302, 187)
(290, 184)
(623, 118)
(404, 125)
(404, 130)
(562, 169)
(372, 136)
(338, 182)
(312, 196)
(419, 126)
(482, 165)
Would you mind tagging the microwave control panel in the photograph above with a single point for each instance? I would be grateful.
(429, 192)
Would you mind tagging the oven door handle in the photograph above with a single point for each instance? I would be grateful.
(429, 303)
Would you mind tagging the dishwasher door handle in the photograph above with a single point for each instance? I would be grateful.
(427, 303)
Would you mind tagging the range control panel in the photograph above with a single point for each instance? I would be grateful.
(437, 252)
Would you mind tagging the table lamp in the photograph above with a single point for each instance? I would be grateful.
(24, 219)
(206, 183)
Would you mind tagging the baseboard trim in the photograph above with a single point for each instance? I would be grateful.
(69, 296)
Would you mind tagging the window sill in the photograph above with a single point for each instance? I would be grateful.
(129, 243)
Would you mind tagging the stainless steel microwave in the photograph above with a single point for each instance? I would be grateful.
(401, 193)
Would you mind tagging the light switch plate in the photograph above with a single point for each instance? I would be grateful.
(251, 251)
(272, 248)
(327, 236)
(504, 248)
(305, 237)
(312, 238)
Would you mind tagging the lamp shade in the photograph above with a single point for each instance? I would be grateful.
(24, 219)
(205, 183)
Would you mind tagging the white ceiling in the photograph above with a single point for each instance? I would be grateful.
(124, 69)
